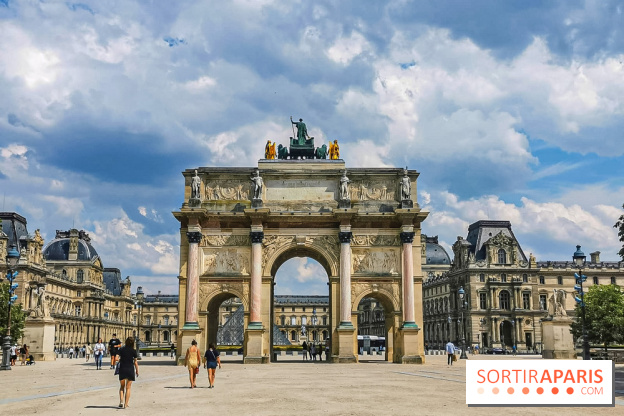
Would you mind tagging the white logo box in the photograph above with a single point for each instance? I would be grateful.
(540, 383)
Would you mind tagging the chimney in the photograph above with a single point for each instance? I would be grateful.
(159, 293)
(595, 257)
(73, 244)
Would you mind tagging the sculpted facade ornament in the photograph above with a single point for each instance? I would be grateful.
(407, 237)
(501, 239)
(194, 237)
(556, 303)
(228, 261)
(375, 240)
(258, 184)
(227, 191)
(371, 190)
(225, 240)
(196, 186)
(375, 261)
(344, 186)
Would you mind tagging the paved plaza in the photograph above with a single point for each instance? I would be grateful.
(373, 387)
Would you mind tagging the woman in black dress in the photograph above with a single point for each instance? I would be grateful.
(128, 366)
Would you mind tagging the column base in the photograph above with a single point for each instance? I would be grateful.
(253, 345)
(39, 335)
(557, 340)
(345, 340)
(190, 326)
(409, 350)
(188, 335)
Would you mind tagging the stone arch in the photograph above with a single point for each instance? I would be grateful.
(211, 303)
(327, 259)
(392, 311)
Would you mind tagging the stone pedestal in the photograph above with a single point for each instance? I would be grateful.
(39, 336)
(253, 347)
(557, 339)
(407, 203)
(409, 351)
(184, 342)
(344, 203)
(345, 346)
(256, 203)
(194, 202)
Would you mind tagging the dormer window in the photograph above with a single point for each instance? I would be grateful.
(502, 256)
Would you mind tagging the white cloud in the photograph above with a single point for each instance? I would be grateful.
(344, 49)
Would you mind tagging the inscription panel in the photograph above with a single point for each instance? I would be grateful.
(300, 190)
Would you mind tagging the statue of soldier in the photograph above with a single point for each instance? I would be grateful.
(258, 184)
(302, 131)
(344, 186)
(195, 185)
(406, 186)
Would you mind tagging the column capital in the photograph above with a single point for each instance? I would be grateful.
(345, 236)
(194, 237)
(407, 237)
(256, 236)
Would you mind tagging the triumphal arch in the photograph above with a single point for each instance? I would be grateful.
(238, 225)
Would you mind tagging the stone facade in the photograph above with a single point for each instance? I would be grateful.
(159, 319)
(506, 293)
(232, 246)
(70, 298)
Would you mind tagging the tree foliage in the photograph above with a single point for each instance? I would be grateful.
(620, 227)
(18, 317)
(604, 315)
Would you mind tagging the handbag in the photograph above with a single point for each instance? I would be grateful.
(117, 369)
(196, 370)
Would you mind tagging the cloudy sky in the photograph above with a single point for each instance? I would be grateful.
(511, 110)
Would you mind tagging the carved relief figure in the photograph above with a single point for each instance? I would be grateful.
(195, 186)
(375, 262)
(375, 191)
(344, 186)
(228, 261)
(257, 185)
(406, 186)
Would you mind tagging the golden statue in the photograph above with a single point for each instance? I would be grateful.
(269, 150)
(334, 150)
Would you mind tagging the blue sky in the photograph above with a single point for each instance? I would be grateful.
(510, 110)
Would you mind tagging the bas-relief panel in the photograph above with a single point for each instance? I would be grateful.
(381, 261)
(373, 190)
(225, 240)
(226, 261)
(375, 240)
(300, 190)
(227, 190)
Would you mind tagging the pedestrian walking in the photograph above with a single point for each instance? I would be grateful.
(211, 361)
(313, 352)
(450, 351)
(172, 350)
(113, 347)
(305, 351)
(98, 353)
(88, 351)
(192, 360)
(71, 352)
(128, 367)
(13, 354)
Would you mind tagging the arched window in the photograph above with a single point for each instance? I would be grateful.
(325, 335)
(148, 336)
(80, 276)
(559, 280)
(502, 256)
(504, 299)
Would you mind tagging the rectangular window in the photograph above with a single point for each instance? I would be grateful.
(324, 320)
(148, 320)
(526, 300)
(79, 293)
(482, 277)
(134, 319)
(483, 300)
(293, 320)
(304, 320)
(612, 280)
(595, 280)
(559, 280)
(525, 278)
(541, 278)
(503, 278)
(543, 302)
(293, 308)
(77, 311)
(166, 318)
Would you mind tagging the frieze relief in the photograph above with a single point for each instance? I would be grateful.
(375, 240)
(229, 191)
(225, 240)
(375, 262)
(372, 191)
(228, 261)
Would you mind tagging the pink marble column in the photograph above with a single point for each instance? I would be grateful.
(408, 280)
(255, 316)
(192, 281)
(345, 279)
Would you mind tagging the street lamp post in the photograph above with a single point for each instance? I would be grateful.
(140, 297)
(579, 260)
(12, 259)
(462, 293)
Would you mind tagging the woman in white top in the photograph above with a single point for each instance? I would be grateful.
(98, 353)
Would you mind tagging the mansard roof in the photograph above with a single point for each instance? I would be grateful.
(480, 232)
